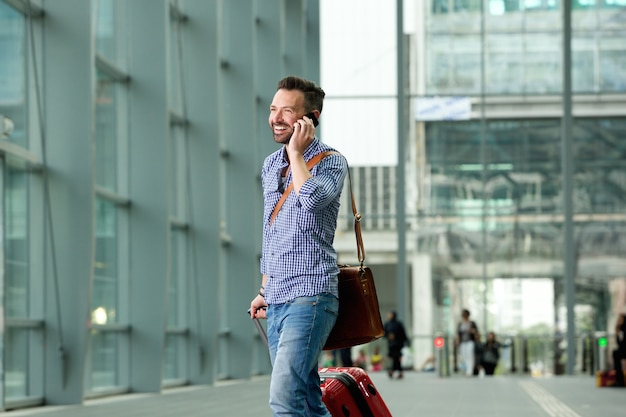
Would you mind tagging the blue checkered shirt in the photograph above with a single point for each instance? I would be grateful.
(298, 255)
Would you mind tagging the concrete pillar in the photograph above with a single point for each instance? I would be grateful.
(68, 94)
(149, 191)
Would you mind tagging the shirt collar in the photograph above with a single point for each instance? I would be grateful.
(309, 152)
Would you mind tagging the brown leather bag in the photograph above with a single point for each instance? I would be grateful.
(359, 319)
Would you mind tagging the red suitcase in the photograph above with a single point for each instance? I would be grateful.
(346, 392)
(351, 392)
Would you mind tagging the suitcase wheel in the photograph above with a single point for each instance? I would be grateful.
(372, 389)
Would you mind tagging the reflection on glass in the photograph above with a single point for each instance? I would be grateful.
(105, 286)
(175, 357)
(171, 365)
(13, 74)
(176, 90)
(104, 359)
(16, 244)
(105, 28)
(16, 361)
(501, 208)
(175, 282)
(613, 69)
(106, 137)
(522, 47)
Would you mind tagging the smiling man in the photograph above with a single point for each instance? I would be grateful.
(298, 294)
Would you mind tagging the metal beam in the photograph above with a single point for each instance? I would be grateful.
(401, 274)
(566, 166)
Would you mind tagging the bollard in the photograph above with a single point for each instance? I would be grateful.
(601, 344)
(441, 358)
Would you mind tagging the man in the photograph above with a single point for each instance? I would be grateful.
(396, 339)
(298, 263)
(466, 336)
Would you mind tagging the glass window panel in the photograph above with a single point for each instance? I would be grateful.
(601, 173)
(170, 365)
(177, 275)
(453, 65)
(543, 63)
(584, 78)
(505, 6)
(174, 363)
(585, 19)
(106, 138)
(106, 281)
(105, 356)
(105, 29)
(466, 72)
(467, 5)
(440, 6)
(17, 282)
(438, 74)
(504, 17)
(543, 20)
(175, 85)
(505, 64)
(178, 177)
(17, 343)
(175, 349)
(535, 5)
(614, 3)
(613, 69)
(13, 72)
(583, 4)
(521, 163)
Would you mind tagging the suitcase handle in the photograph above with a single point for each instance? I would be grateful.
(260, 328)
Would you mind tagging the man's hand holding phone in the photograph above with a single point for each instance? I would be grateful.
(303, 134)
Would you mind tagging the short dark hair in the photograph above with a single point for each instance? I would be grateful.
(313, 94)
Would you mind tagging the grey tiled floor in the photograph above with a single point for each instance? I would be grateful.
(418, 394)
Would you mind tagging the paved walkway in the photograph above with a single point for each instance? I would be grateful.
(418, 394)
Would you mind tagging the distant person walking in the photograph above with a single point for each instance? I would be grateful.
(490, 354)
(465, 339)
(396, 339)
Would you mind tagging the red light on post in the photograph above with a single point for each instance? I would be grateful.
(439, 342)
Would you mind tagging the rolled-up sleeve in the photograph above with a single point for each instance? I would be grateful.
(325, 185)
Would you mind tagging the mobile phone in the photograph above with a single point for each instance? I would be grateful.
(311, 116)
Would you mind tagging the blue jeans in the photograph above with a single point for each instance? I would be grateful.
(297, 331)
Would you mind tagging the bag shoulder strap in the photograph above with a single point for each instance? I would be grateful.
(310, 164)
(360, 250)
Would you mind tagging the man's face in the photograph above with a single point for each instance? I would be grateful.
(287, 107)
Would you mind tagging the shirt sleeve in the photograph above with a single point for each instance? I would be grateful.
(326, 183)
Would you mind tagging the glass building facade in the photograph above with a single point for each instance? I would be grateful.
(498, 176)
(485, 184)
(128, 263)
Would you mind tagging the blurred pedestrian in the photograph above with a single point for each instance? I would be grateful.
(465, 341)
(346, 357)
(396, 339)
(490, 354)
(361, 360)
(376, 360)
